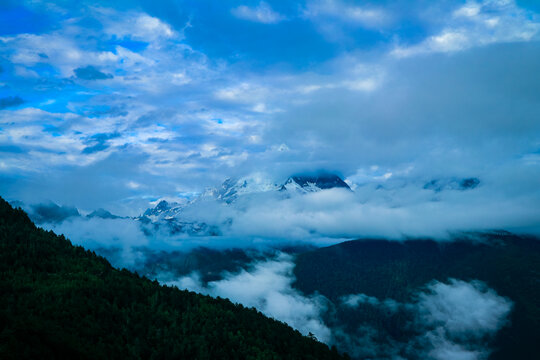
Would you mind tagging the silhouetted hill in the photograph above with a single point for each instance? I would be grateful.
(58, 301)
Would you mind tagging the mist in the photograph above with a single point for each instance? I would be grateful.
(454, 319)
(267, 286)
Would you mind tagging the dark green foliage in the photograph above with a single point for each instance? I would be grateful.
(61, 301)
(388, 269)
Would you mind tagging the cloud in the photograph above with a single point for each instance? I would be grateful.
(135, 25)
(346, 22)
(267, 286)
(262, 13)
(478, 24)
(120, 239)
(396, 210)
(464, 309)
(459, 315)
(10, 101)
(91, 73)
(387, 207)
(452, 320)
(366, 16)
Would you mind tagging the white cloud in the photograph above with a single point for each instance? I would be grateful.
(369, 17)
(133, 185)
(452, 320)
(245, 92)
(444, 349)
(478, 24)
(135, 25)
(366, 85)
(95, 233)
(267, 286)
(463, 309)
(470, 9)
(262, 13)
(57, 49)
(459, 315)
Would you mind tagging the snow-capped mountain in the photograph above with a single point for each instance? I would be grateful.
(313, 183)
(163, 209)
(171, 215)
(231, 189)
(184, 216)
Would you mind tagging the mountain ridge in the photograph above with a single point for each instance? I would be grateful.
(62, 301)
(385, 270)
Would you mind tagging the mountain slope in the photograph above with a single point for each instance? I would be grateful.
(392, 270)
(314, 183)
(61, 301)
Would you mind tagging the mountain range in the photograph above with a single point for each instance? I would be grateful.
(169, 216)
(188, 216)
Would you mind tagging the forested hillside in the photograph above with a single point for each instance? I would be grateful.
(61, 301)
(507, 263)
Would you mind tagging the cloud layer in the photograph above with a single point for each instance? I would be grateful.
(381, 206)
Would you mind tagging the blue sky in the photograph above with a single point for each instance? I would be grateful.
(114, 104)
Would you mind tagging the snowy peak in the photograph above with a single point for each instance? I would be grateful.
(313, 183)
(175, 218)
(161, 207)
(163, 210)
(232, 188)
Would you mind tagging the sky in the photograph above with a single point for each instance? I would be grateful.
(116, 104)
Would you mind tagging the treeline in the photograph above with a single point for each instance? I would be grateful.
(62, 301)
